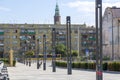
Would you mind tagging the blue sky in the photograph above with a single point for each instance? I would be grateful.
(42, 11)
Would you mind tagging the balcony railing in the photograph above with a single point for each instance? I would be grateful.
(1, 33)
(29, 33)
(1, 44)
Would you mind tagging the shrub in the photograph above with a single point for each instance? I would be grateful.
(14, 63)
(76, 65)
(114, 66)
(111, 66)
(6, 62)
(105, 66)
(61, 64)
(91, 65)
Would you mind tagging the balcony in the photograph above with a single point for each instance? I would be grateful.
(1, 44)
(1, 33)
(29, 33)
(1, 49)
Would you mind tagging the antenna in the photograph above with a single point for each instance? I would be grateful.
(56, 1)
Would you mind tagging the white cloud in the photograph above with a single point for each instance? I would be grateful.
(89, 6)
(86, 8)
(4, 9)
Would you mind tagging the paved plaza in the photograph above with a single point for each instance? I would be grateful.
(23, 72)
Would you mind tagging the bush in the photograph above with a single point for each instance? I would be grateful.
(61, 64)
(75, 65)
(6, 62)
(92, 66)
(105, 66)
(14, 63)
(111, 66)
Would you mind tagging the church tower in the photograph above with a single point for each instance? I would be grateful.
(57, 17)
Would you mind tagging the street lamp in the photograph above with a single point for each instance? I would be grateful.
(26, 45)
(53, 49)
(69, 61)
(29, 45)
(23, 49)
(37, 54)
(27, 42)
(23, 58)
(44, 52)
(98, 7)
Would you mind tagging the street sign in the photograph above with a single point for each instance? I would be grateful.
(87, 52)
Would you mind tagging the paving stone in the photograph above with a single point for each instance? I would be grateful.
(23, 72)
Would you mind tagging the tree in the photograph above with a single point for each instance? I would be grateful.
(74, 53)
(60, 49)
(29, 53)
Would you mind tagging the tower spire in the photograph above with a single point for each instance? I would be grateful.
(57, 14)
(57, 9)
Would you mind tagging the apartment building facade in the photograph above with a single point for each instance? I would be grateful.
(15, 36)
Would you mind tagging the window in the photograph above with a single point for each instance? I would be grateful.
(39, 37)
(1, 37)
(40, 31)
(75, 31)
(15, 31)
(15, 48)
(7, 42)
(15, 42)
(33, 37)
(14, 37)
(7, 36)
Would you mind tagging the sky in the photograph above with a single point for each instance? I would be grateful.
(42, 11)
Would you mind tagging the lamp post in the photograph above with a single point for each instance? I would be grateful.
(28, 43)
(37, 54)
(69, 61)
(24, 58)
(98, 7)
(44, 52)
(78, 44)
(29, 46)
(26, 46)
(21, 49)
(53, 49)
(29, 57)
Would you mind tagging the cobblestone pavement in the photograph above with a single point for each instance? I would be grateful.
(23, 72)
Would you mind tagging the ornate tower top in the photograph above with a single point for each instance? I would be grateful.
(57, 10)
(57, 15)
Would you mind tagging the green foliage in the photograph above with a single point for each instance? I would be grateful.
(74, 53)
(6, 62)
(106, 58)
(105, 66)
(14, 63)
(61, 64)
(92, 65)
(60, 49)
(75, 65)
(111, 66)
(114, 66)
(29, 53)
